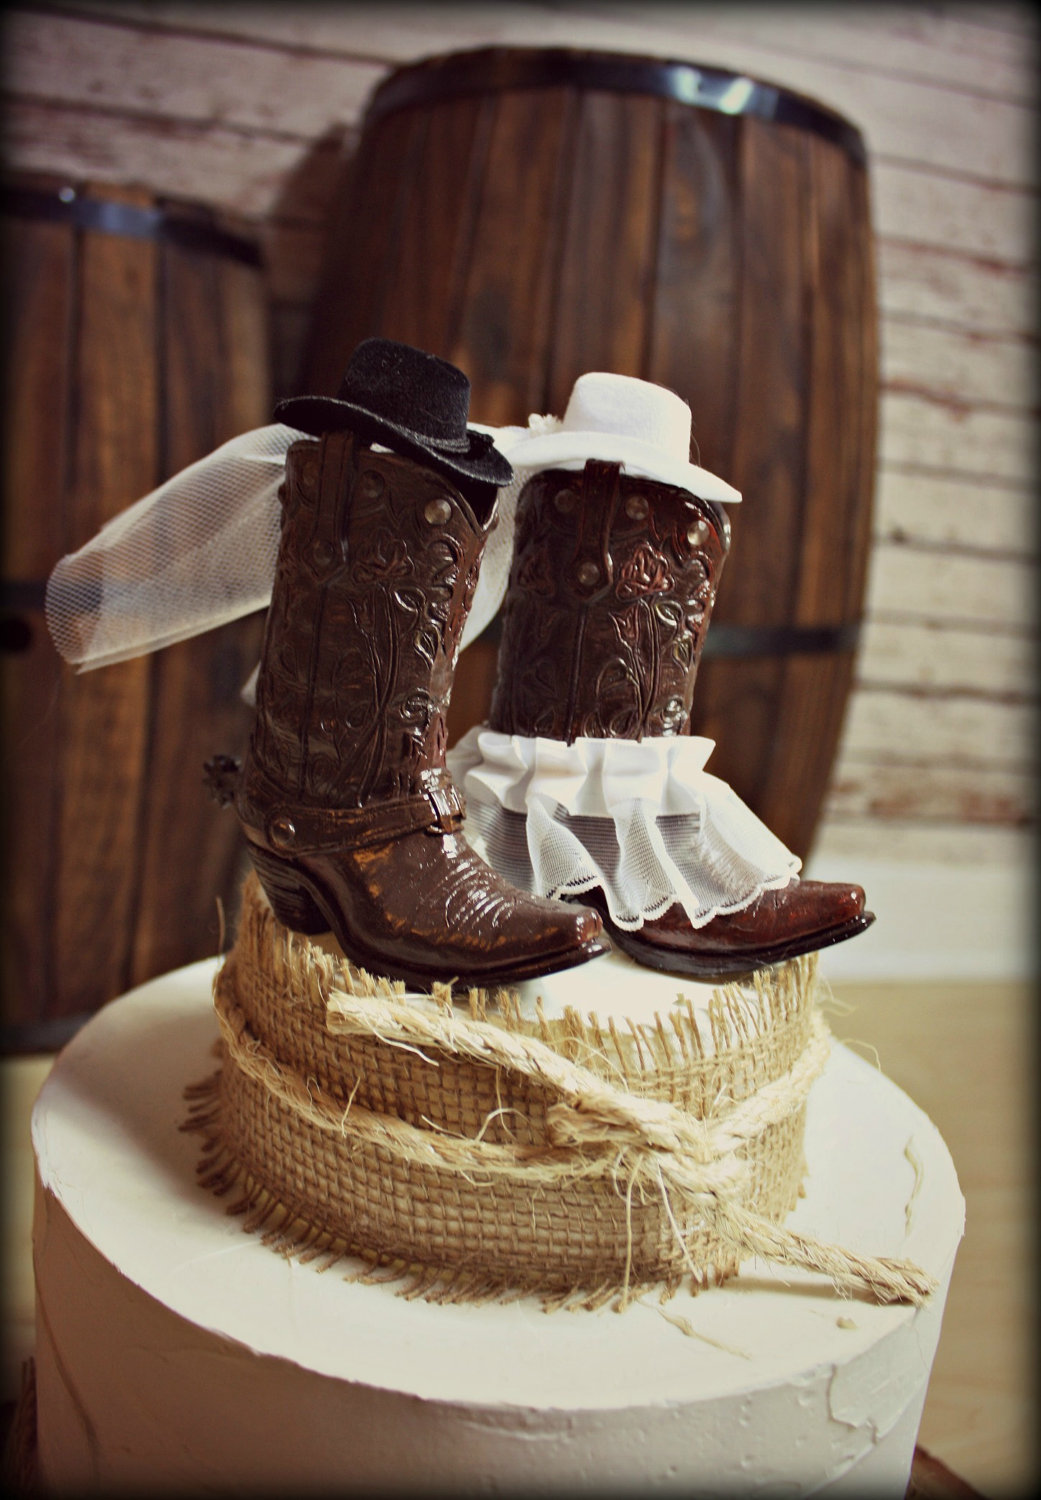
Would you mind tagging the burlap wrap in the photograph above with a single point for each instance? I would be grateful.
(474, 1153)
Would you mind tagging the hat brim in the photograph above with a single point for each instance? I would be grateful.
(477, 458)
(565, 448)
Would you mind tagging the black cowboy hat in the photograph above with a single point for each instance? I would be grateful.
(411, 402)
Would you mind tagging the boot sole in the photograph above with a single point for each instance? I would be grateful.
(300, 903)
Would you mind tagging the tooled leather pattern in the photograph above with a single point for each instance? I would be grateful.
(610, 594)
(377, 567)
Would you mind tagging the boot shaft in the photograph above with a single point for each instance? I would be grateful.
(378, 562)
(610, 594)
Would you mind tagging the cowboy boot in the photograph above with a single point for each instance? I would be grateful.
(609, 599)
(351, 818)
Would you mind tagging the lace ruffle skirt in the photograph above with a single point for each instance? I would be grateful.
(643, 820)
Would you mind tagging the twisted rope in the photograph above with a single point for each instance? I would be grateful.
(594, 1129)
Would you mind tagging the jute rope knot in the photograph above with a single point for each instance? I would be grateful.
(594, 1130)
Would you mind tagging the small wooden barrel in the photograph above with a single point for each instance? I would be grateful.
(534, 214)
(136, 342)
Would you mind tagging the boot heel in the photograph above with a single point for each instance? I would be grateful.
(290, 902)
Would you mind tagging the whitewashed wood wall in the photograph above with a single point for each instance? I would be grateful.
(251, 107)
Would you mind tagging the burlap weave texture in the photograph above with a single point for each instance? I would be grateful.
(283, 1122)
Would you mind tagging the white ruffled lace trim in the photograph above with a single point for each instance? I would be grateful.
(641, 819)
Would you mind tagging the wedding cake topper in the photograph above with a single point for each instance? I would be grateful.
(384, 530)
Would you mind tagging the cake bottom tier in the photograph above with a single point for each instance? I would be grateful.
(175, 1352)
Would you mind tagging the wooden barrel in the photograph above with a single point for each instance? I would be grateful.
(534, 214)
(135, 342)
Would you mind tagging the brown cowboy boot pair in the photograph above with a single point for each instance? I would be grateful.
(610, 595)
(351, 819)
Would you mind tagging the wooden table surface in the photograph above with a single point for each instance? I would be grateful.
(965, 1053)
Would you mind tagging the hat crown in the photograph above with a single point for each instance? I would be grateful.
(620, 419)
(409, 388)
(414, 403)
(625, 407)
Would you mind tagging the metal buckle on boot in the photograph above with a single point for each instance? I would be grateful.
(448, 808)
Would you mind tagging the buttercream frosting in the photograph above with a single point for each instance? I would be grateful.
(174, 1350)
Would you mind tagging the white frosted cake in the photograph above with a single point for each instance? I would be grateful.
(177, 1352)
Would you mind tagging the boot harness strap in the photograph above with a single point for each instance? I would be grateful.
(302, 830)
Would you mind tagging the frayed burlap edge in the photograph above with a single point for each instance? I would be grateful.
(287, 1231)
(747, 1034)
(598, 1137)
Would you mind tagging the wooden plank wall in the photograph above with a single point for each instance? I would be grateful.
(253, 108)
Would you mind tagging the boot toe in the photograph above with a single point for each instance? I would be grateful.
(585, 925)
(561, 937)
(830, 903)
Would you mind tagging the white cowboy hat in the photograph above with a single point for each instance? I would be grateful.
(619, 419)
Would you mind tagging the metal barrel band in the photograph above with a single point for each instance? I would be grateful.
(780, 640)
(490, 69)
(130, 220)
